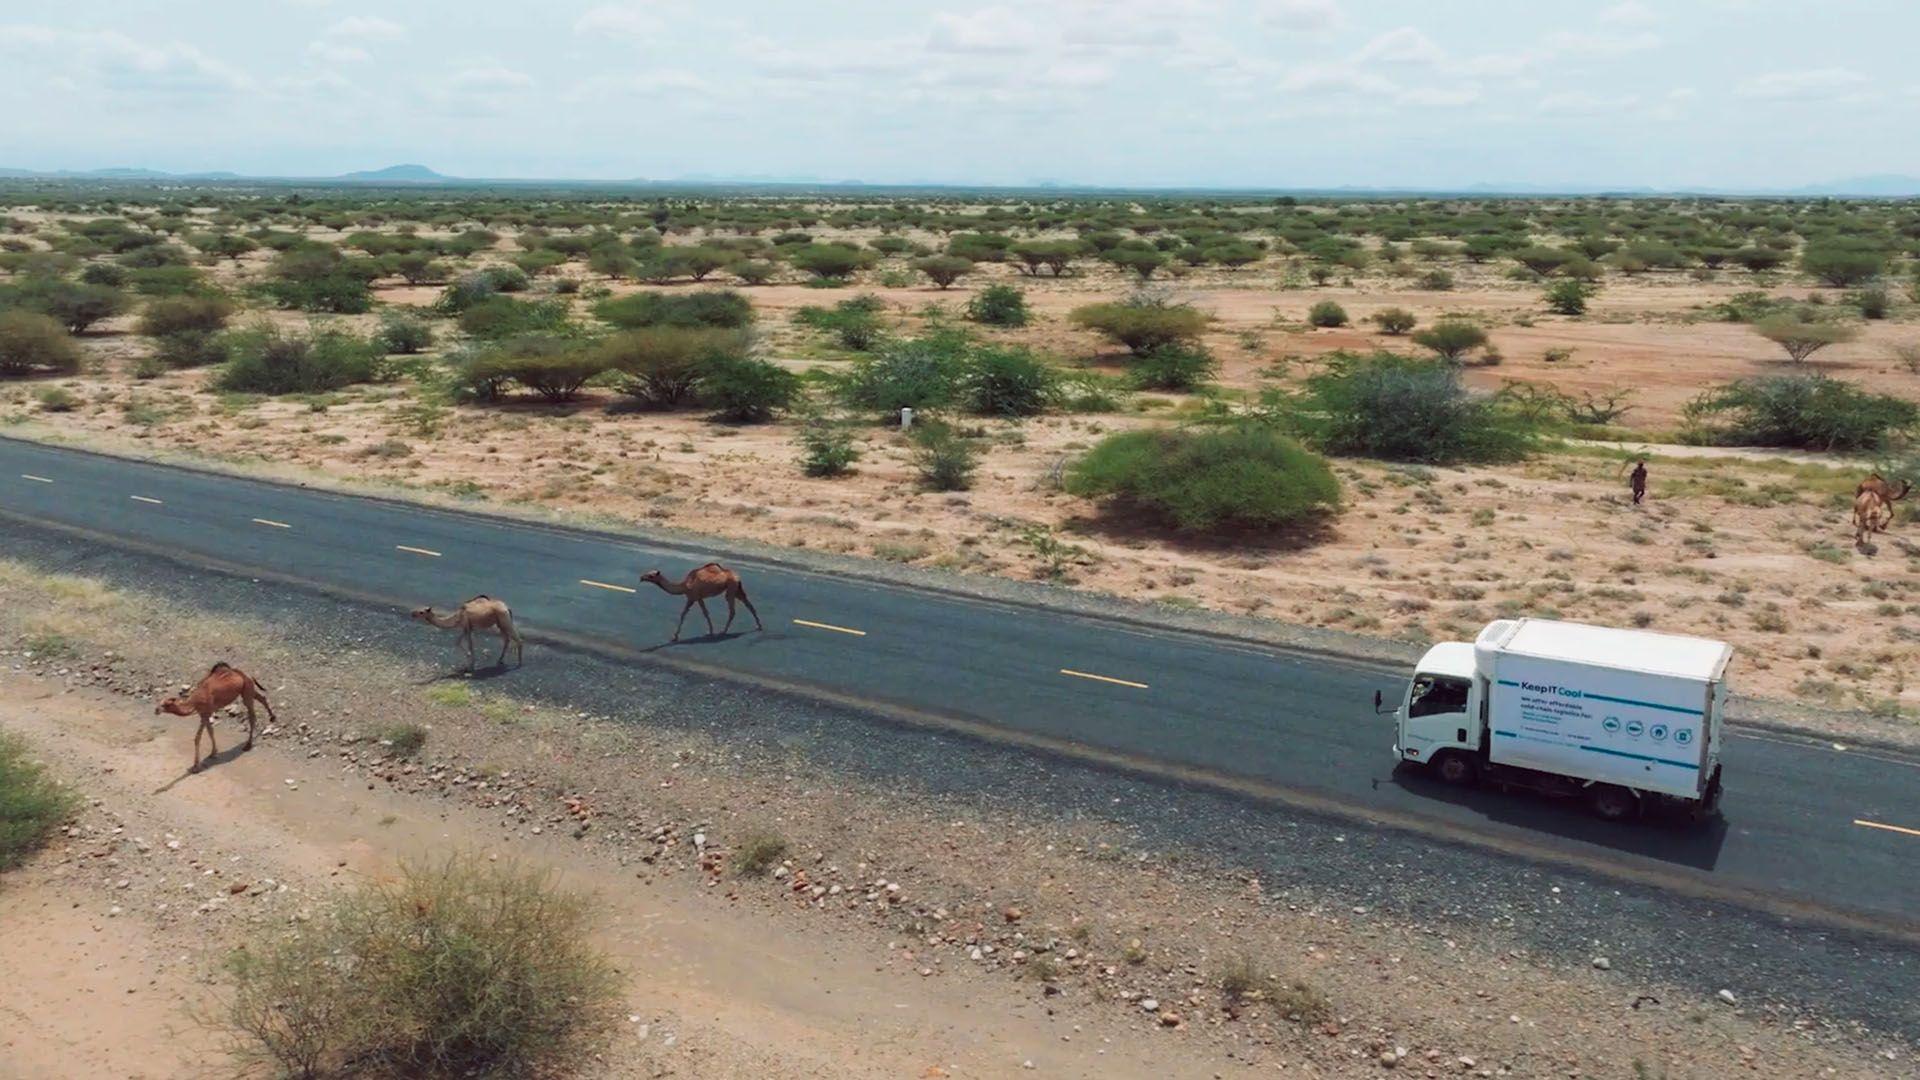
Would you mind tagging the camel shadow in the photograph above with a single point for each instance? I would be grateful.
(478, 674)
(703, 640)
(231, 753)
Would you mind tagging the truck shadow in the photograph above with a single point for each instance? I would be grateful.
(1664, 834)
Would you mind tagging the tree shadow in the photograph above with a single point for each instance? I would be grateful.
(1123, 525)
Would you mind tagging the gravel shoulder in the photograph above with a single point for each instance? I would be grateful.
(944, 904)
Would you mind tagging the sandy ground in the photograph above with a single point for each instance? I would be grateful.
(163, 872)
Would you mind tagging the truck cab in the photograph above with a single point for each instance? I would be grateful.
(1444, 709)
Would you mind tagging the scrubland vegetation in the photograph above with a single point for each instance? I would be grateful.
(1152, 374)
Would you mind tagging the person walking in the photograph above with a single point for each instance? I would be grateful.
(1638, 480)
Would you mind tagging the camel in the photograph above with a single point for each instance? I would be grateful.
(223, 683)
(1871, 514)
(707, 581)
(482, 612)
(1884, 489)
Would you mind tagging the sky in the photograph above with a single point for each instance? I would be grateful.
(1724, 94)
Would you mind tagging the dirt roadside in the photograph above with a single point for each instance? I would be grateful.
(904, 935)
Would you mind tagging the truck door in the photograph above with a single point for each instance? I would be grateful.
(1437, 715)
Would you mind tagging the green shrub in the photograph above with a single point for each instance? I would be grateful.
(1143, 323)
(317, 278)
(1144, 262)
(1874, 303)
(745, 390)
(826, 449)
(1008, 381)
(32, 805)
(1180, 368)
(1326, 314)
(1436, 281)
(1451, 338)
(403, 334)
(499, 317)
(453, 969)
(190, 348)
(31, 342)
(999, 305)
(1568, 297)
(830, 262)
(1810, 412)
(753, 271)
(169, 281)
(944, 270)
(944, 459)
(1802, 337)
(1227, 479)
(759, 851)
(57, 399)
(170, 315)
(1402, 409)
(76, 307)
(917, 373)
(720, 308)
(663, 365)
(1394, 321)
(471, 289)
(854, 322)
(104, 274)
(1843, 263)
(266, 360)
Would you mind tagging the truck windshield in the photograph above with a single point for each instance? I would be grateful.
(1435, 694)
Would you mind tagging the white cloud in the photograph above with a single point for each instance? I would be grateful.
(1629, 13)
(1075, 74)
(366, 28)
(1579, 103)
(1806, 85)
(337, 53)
(1405, 45)
(987, 30)
(626, 19)
(1301, 14)
(1335, 79)
(1434, 97)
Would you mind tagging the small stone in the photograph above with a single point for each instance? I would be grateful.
(1465, 1061)
(1150, 1004)
(1026, 1064)
(1388, 1060)
(1727, 996)
(1601, 963)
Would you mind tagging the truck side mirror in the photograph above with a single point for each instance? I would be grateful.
(1376, 701)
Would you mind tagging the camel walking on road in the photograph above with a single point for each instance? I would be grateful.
(699, 585)
(222, 684)
(482, 612)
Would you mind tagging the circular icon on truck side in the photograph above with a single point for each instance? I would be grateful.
(1611, 723)
(1683, 736)
(1658, 732)
(1635, 727)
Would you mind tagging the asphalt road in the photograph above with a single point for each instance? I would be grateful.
(1804, 829)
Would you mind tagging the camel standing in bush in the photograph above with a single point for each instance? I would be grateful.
(707, 581)
(482, 612)
(223, 683)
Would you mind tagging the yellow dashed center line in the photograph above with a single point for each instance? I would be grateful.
(830, 626)
(604, 585)
(417, 551)
(1103, 678)
(1890, 828)
(272, 524)
(144, 499)
(35, 479)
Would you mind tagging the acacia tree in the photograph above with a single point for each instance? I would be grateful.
(1801, 338)
(1452, 338)
(944, 270)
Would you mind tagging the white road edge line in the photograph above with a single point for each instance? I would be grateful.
(830, 626)
(604, 585)
(35, 479)
(144, 499)
(1865, 824)
(1104, 678)
(417, 551)
(272, 524)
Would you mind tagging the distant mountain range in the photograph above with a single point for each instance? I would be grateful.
(1882, 186)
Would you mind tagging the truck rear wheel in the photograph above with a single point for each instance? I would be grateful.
(1613, 803)
(1455, 767)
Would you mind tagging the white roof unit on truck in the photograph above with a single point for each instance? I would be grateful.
(1628, 707)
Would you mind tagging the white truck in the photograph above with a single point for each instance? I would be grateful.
(1623, 718)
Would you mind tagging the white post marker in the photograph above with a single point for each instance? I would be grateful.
(906, 419)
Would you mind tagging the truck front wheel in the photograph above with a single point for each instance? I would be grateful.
(1612, 802)
(1455, 767)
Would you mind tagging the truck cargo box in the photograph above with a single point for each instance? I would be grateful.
(1628, 707)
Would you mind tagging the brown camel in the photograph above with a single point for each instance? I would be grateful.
(1870, 515)
(1883, 488)
(482, 612)
(708, 581)
(218, 690)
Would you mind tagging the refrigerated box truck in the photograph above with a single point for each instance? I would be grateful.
(1622, 718)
